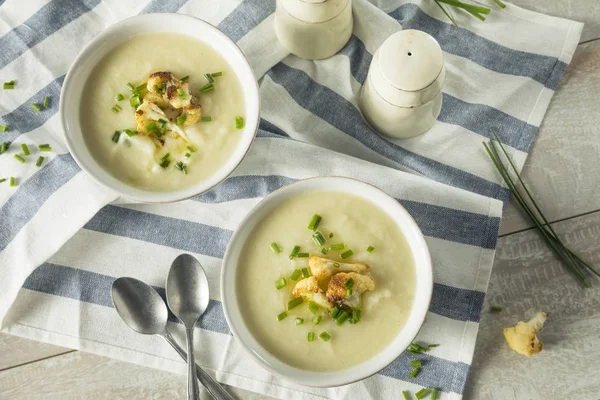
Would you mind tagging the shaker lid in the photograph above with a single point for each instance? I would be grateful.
(314, 11)
(410, 60)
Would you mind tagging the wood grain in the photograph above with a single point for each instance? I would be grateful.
(16, 351)
(527, 278)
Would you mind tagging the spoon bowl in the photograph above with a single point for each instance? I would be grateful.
(140, 306)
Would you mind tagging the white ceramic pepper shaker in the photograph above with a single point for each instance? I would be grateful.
(402, 95)
(313, 29)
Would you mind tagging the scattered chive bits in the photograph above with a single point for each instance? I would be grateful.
(432, 345)
(191, 149)
(405, 395)
(130, 86)
(4, 147)
(115, 136)
(341, 318)
(181, 94)
(45, 147)
(19, 158)
(324, 251)
(281, 282)
(135, 101)
(46, 102)
(275, 247)
(181, 167)
(185, 78)
(314, 222)
(165, 160)
(35, 107)
(337, 246)
(215, 74)
(130, 132)
(281, 316)
(370, 249)
(334, 312)
(239, 122)
(299, 321)
(434, 393)
(416, 363)
(325, 336)
(414, 372)
(416, 348)
(311, 337)
(305, 272)
(295, 275)
(209, 78)
(116, 108)
(347, 253)
(119, 97)
(25, 149)
(157, 89)
(496, 309)
(181, 119)
(349, 283)
(39, 161)
(208, 118)
(422, 393)
(355, 316)
(209, 87)
(318, 238)
(3, 128)
(312, 306)
(187, 155)
(294, 303)
(317, 320)
(13, 181)
(303, 255)
(2, 180)
(295, 252)
(9, 85)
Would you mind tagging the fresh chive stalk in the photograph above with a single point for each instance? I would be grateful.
(295, 275)
(325, 336)
(414, 372)
(370, 249)
(19, 158)
(208, 118)
(405, 395)
(209, 78)
(39, 161)
(312, 306)
(25, 149)
(2, 180)
(416, 363)
(305, 272)
(422, 393)
(314, 222)
(281, 282)
(185, 78)
(35, 107)
(317, 320)
(303, 255)
(310, 337)
(431, 346)
(299, 321)
(215, 74)
(239, 122)
(496, 309)
(46, 101)
(45, 147)
(337, 246)
(3, 128)
(318, 238)
(295, 252)
(209, 87)
(295, 302)
(281, 316)
(119, 97)
(13, 181)
(274, 246)
(347, 253)
(181, 119)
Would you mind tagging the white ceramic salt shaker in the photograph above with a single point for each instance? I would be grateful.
(402, 95)
(313, 29)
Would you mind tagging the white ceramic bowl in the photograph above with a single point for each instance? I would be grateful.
(424, 282)
(72, 91)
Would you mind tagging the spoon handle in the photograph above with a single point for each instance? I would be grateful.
(215, 389)
(192, 381)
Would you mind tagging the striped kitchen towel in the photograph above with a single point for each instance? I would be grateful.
(63, 239)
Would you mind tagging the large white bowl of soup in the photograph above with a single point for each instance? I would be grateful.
(160, 107)
(326, 281)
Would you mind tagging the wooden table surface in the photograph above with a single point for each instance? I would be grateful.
(563, 170)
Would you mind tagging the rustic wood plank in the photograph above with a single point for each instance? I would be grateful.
(16, 351)
(562, 168)
(527, 278)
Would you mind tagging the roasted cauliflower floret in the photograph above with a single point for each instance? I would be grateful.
(324, 268)
(147, 113)
(193, 112)
(522, 337)
(309, 289)
(338, 293)
(179, 95)
(157, 99)
(156, 80)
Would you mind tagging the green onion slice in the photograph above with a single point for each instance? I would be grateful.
(496, 309)
(181, 94)
(405, 395)
(35, 107)
(349, 283)
(325, 336)
(370, 249)
(330, 235)
(46, 101)
(130, 86)
(432, 345)
(311, 336)
(335, 312)
(317, 320)
(338, 246)
(281, 316)
(312, 306)
(299, 321)
(181, 119)
(135, 101)
(185, 78)
(13, 181)
(275, 247)
(415, 363)
(215, 74)
(119, 97)
(45, 147)
(303, 255)
(2, 180)
(25, 149)
(414, 372)
(422, 393)
(341, 318)
(336, 264)
(356, 315)
(295, 302)
(209, 87)
(209, 78)
(239, 122)
(434, 393)
(39, 161)
(181, 167)
(347, 253)
(281, 282)
(192, 149)
(208, 118)
(324, 251)
(314, 222)
(295, 252)
(115, 137)
(305, 272)
(295, 275)
(318, 238)
(348, 292)
(19, 158)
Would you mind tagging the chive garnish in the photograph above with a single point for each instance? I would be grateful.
(185, 78)
(318, 238)
(181, 94)
(119, 97)
(2, 180)
(46, 101)
(338, 246)
(19, 158)
(295, 302)
(208, 118)
(311, 336)
(187, 155)
(422, 393)
(165, 160)
(35, 107)
(312, 306)
(209, 78)
(324, 251)
(281, 316)
(274, 246)
(39, 161)
(191, 149)
(356, 315)
(215, 74)
(3, 128)
(303, 255)
(405, 395)
(130, 86)
(281, 282)
(116, 136)
(9, 85)
(299, 321)
(4, 147)
(25, 149)
(130, 132)
(207, 88)
(182, 167)
(349, 283)
(314, 222)
(305, 272)
(432, 345)
(45, 147)
(116, 108)
(348, 292)
(181, 119)
(325, 336)
(336, 265)
(414, 372)
(135, 101)
(137, 91)
(347, 253)
(163, 87)
(13, 181)
(495, 309)
(295, 275)
(330, 235)
(317, 320)
(239, 122)
(434, 393)
(415, 363)
(370, 249)
(335, 312)
(295, 252)
(341, 318)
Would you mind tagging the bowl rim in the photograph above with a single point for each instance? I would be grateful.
(87, 49)
(339, 374)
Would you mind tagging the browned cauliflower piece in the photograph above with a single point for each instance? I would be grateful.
(193, 112)
(337, 292)
(309, 289)
(522, 337)
(179, 95)
(324, 268)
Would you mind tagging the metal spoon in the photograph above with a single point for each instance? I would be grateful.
(142, 308)
(187, 297)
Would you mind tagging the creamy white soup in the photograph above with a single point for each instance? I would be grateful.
(299, 303)
(178, 121)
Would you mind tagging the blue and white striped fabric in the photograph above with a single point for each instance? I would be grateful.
(501, 73)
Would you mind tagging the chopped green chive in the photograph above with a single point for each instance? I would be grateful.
(325, 336)
(215, 74)
(340, 319)
(131, 133)
(4, 147)
(181, 167)
(318, 238)
(13, 181)
(434, 393)
(181, 119)
(324, 251)
(495, 309)
(335, 312)
(405, 395)
(120, 97)
(135, 101)
(348, 292)
(303, 255)
(349, 283)
(3, 128)
(338, 246)
(192, 149)
(275, 247)
(311, 336)
(336, 265)
(414, 372)
(281, 282)
(416, 348)
(432, 345)
(422, 393)
(2, 180)
(163, 87)
(282, 316)
(207, 119)
(157, 89)
(330, 235)
(19, 158)
(46, 101)
(116, 108)
(295, 252)
(312, 306)
(370, 249)
(416, 363)
(356, 315)
(209, 87)
(314, 222)
(181, 94)
(35, 107)
(317, 320)
(239, 122)
(187, 155)
(45, 147)
(39, 161)
(209, 78)
(137, 91)
(9, 85)
(151, 127)
(295, 275)
(299, 321)
(295, 302)
(25, 149)
(130, 86)
(305, 272)
(165, 160)
(347, 253)
(185, 78)
(116, 136)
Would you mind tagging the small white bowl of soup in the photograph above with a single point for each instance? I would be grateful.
(326, 281)
(160, 107)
